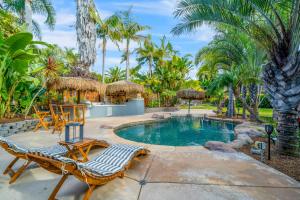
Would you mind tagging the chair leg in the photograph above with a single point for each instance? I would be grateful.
(89, 192)
(122, 175)
(19, 172)
(57, 187)
(37, 126)
(9, 167)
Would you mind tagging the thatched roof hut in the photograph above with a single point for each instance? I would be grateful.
(191, 94)
(78, 84)
(124, 88)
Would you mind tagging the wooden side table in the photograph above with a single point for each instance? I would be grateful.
(82, 147)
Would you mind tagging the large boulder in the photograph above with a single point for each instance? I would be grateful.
(242, 139)
(219, 146)
(251, 129)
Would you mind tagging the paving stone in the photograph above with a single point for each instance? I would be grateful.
(207, 167)
(171, 191)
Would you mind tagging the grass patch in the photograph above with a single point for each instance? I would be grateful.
(202, 106)
(263, 112)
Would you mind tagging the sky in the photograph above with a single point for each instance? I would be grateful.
(157, 14)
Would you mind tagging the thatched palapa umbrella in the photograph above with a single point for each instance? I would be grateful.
(190, 94)
(77, 83)
(123, 88)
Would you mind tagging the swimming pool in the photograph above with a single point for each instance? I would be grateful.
(179, 131)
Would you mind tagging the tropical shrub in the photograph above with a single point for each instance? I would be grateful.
(16, 56)
(8, 24)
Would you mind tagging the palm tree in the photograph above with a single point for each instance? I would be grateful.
(222, 54)
(275, 27)
(250, 77)
(71, 57)
(146, 54)
(86, 33)
(164, 51)
(230, 80)
(233, 49)
(115, 74)
(171, 76)
(129, 30)
(106, 30)
(25, 9)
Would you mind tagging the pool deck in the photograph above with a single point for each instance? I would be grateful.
(170, 173)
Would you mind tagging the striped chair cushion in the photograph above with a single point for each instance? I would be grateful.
(127, 147)
(98, 169)
(50, 151)
(121, 150)
(14, 146)
(111, 160)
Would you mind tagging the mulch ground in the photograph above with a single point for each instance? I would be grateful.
(285, 164)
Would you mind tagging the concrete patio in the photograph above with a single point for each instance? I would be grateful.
(168, 173)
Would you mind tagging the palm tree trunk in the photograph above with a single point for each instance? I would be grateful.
(103, 58)
(244, 96)
(28, 15)
(150, 67)
(220, 106)
(253, 89)
(230, 107)
(288, 128)
(127, 60)
(8, 102)
(158, 98)
(282, 85)
(86, 33)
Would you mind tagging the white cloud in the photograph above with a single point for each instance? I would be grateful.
(104, 13)
(160, 7)
(205, 33)
(61, 38)
(62, 19)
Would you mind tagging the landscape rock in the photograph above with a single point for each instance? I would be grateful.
(250, 129)
(245, 139)
(219, 146)
(158, 116)
(3, 133)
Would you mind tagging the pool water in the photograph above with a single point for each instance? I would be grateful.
(179, 131)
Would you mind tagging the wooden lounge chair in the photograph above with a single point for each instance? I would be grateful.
(20, 152)
(108, 165)
(42, 115)
(59, 119)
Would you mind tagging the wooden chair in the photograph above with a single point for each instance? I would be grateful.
(59, 119)
(110, 164)
(20, 152)
(65, 115)
(42, 115)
